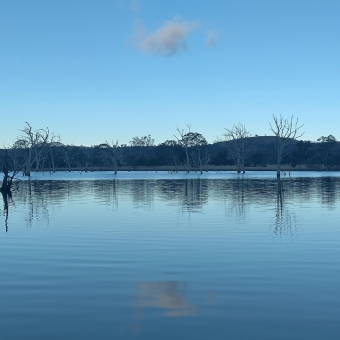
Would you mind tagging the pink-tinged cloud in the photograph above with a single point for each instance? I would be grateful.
(166, 40)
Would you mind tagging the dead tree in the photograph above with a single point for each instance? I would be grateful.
(198, 150)
(284, 131)
(54, 148)
(111, 154)
(69, 154)
(234, 140)
(8, 179)
(184, 142)
(34, 143)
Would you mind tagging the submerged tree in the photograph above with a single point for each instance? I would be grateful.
(183, 141)
(284, 131)
(69, 154)
(54, 149)
(9, 175)
(193, 144)
(111, 154)
(34, 144)
(171, 151)
(235, 139)
(8, 183)
(198, 151)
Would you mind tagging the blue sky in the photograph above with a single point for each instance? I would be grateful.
(105, 70)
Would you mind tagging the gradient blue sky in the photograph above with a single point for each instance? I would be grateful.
(100, 70)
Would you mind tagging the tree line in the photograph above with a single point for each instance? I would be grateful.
(34, 150)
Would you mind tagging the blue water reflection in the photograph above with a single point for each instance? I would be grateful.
(240, 257)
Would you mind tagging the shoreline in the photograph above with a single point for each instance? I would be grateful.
(221, 168)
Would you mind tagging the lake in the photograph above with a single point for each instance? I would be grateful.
(146, 255)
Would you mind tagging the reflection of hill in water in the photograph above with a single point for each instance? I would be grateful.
(191, 195)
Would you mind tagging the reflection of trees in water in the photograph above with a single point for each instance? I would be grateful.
(6, 196)
(195, 194)
(142, 193)
(37, 197)
(190, 194)
(285, 221)
(329, 187)
(106, 191)
(239, 193)
(167, 296)
(237, 202)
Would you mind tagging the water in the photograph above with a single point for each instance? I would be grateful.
(160, 256)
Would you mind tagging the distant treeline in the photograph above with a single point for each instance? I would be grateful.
(40, 149)
(259, 151)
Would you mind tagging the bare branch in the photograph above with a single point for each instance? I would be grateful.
(284, 130)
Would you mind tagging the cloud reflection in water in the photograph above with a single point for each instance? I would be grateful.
(167, 296)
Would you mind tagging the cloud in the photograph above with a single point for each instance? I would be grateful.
(166, 40)
(211, 38)
(134, 5)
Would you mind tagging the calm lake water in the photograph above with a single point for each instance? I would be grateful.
(160, 256)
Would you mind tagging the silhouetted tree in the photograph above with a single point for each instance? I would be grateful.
(171, 151)
(193, 144)
(198, 151)
(8, 177)
(142, 141)
(34, 143)
(284, 130)
(325, 146)
(184, 143)
(236, 144)
(111, 154)
(69, 154)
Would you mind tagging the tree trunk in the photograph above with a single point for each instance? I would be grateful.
(7, 180)
(28, 163)
(188, 162)
(278, 165)
(52, 160)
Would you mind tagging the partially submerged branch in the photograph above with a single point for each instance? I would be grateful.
(8, 181)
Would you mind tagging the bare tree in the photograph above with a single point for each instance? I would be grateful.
(235, 139)
(34, 143)
(193, 144)
(112, 154)
(198, 151)
(17, 155)
(175, 153)
(184, 142)
(284, 131)
(69, 155)
(7, 182)
(54, 148)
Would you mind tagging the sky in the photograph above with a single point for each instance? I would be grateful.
(101, 70)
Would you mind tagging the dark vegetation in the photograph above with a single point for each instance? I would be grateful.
(39, 149)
